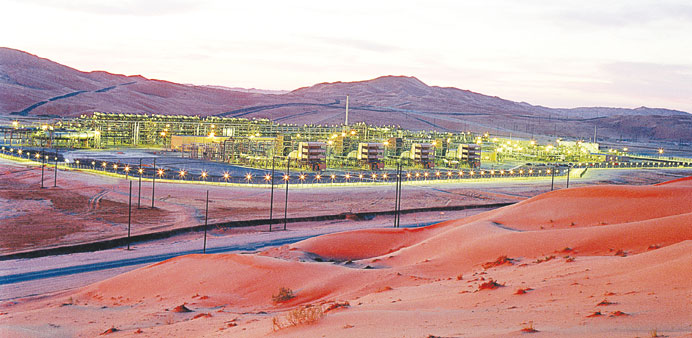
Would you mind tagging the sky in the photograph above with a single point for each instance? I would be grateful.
(553, 53)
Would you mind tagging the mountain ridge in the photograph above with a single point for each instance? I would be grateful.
(35, 86)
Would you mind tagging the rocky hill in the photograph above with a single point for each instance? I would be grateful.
(31, 86)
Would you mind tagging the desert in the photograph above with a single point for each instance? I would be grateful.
(604, 260)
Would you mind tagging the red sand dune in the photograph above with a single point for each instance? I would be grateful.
(410, 286)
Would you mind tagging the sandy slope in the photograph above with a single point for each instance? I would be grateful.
(622, 270)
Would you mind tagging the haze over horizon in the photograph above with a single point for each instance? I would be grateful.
(619, 54)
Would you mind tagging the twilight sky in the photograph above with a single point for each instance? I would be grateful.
(626, 53)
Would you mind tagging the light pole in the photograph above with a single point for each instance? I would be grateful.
(129, 216)
(139, 192)
(43, 165)
(206, 217)
(552, 179)
(153, 185)
(288, 178)
(271, 199)
(55, 176)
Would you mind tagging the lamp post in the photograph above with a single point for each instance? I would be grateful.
(139, 191)
(43, 165)
(287, 178)
(206, 218)
(129, 216)
(55, 176)
(153, 185)
(271, 199)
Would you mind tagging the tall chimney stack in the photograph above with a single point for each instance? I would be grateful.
(346, 110)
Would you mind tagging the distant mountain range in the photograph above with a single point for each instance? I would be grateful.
(31, 86)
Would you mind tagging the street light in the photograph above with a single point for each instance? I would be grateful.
(204, 175)
(181, 173)
(248, 177)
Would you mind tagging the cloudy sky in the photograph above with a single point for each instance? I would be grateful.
(627, 53)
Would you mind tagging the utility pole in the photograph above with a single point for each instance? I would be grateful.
(346, 111)
(552, 179)
(568, 168)
(43, 165)
(129, 216)
(396, 193)
(139, 192)
(271, 199)
(153, 185)
(55, 176)
(206, 218)
(288, 179)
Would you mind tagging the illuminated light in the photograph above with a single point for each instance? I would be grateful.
(471, 173)
(330, 142)
(15, 124)
(384, 176)
(531, 171)
(212, 134)
(92, 162)
(102, 164)
(417, 175)
(160, 172)
(163, 134)
(19, 151)
(449, 173)
(181, 173)
(437, 174)
(482, 173)
(213, 126)
(204, 174)
(502, 172)
(267, 177)
(360, 176)
(353, 132)
(286, 177)
(408, 175)
(76, 161)
(461, 173)
(44, 127)
(425, 174)
(434, 143)
(347, 176)
(140, 170)
(386, 143)
(127, 169)
(660, 150)
(115, 166)
(521, 172)
(343, 134)
(547, 171)
(374, 176)
(248, 177)
(257, 134)
(39, 155)
(539, 171)
(318, 177)
(492, 172)
(533, 143)
(511, 172)
(332, 176)
(624, 149)
(302, 177)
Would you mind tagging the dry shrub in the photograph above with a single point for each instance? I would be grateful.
(522, 291)
(605, 302)
(529, 328)
(595, 314)
(502, 260)
(304, 315)
(109, 331)
(284, 295)
(490, 285)
(336, 305)
(619, 314)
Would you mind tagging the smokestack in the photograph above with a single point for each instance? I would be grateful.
(346, 110)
